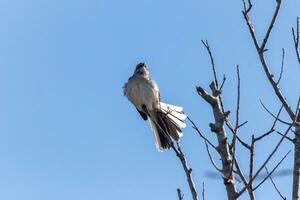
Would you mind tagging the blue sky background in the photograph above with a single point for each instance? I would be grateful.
(66, 130)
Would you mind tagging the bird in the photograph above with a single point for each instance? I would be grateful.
(166, 120)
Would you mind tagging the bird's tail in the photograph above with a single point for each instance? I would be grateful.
(166, 125)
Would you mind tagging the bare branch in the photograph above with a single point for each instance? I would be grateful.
(261, 50)
(218, 89)
(209, 98)
(247, 8)
(286, 137)
(222, 84)
(265, 162)
(251, 168)
(202, 135)
(273, 170)
(276, 188)
(181, 156)
(268, 111)
(296, 40)
(296, 170)
(249, 24)
(240, 173)
(247, 146)
(180, 196)
(265, 40)
(187, 169)
(211, 159)
(218, 128)
(282, 64)
(238, 98)
(272, 129)
(205, 43)
(203, 191)
(264, 135)
(242, 124)
(236, 117)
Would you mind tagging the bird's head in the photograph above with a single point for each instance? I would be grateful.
(142, 70)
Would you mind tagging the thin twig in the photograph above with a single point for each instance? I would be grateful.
(296, 40)
(242, 124)
(296, 170)
(211, 159)
(282, 65)
(265, 40)
(205, 43)
(273, 170)
(240, 173)
(247, 146)
(249, 24)
(238, 98)
(249, 6)
(222, 84)
(203, 191)
(261, 49)
(264, 135)
(218, 90)
(180, 195)
(272, 129)
(233, 143)
(273, 183)
(286, 137)
(201, 134)
(265, 163)
(187, 169)
(270, 113)
(251, 169)
(180, 155)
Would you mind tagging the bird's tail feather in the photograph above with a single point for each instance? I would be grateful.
(160, 130)
(175, 113)
(166, 125)
(156, 135)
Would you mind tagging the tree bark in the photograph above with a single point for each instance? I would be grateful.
(296, 172)
(223, 146)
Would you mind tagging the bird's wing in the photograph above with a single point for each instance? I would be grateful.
(155, 87)
(143, 115)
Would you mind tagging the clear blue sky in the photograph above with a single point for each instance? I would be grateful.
(66, 130)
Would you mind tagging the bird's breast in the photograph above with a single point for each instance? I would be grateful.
(140, 93)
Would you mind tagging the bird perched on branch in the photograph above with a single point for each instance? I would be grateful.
(165, 120)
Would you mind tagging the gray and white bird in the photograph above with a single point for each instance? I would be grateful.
(165, 120)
